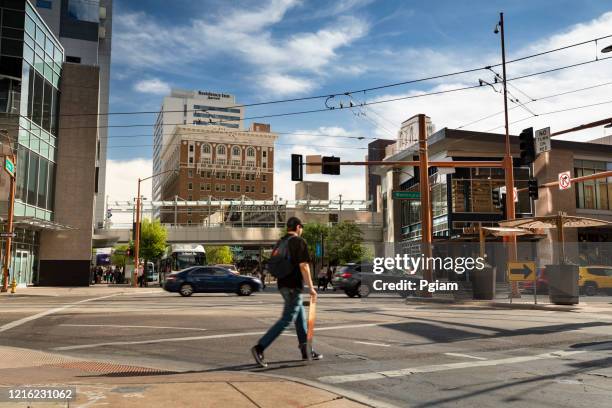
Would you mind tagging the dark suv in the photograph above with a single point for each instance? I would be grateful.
(358, 279)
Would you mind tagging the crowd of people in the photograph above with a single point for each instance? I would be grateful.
(108, 274)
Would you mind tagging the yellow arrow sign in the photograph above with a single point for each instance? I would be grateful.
(521, 271)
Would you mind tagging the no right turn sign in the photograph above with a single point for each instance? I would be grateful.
(565, 180)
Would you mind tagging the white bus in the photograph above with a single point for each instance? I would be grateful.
(178, 257)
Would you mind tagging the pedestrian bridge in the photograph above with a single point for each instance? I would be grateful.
(221, 235)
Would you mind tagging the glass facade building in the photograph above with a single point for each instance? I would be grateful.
(30, 69)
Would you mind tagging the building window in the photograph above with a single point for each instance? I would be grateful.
(206, 149)
(217, 187)
(235, 151)
(190, 173)
(202, 186)
(189, 197)
(593, 194)
(221, 150)
(191, 148)
(263, 189)
(223, 188)
(190, 186)
(237, 176)
(264, 165)
(47, 4)
(232, 188)
(250, 152)
(202, 174)
(264, 177)
(207, 186)
(238, 188)
(264, 154)
(84, 10)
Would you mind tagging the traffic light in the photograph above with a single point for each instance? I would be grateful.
(503, 206)
(496, 198)
(330, 165)
(297, 172)
(532, 186)
(527, 146)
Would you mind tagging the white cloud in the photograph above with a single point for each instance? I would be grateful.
(153, 86)
(456, 109)
(122, 183)
(299, 59)
(285, 84)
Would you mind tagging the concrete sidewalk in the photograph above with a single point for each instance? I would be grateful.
(95, 290)
(526, 302)
(118, 385)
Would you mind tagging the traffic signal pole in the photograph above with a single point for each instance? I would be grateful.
(137, 239)
(9, 230)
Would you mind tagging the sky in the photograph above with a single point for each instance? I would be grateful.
(277, 49)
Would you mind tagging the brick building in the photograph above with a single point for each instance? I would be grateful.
(216, 163)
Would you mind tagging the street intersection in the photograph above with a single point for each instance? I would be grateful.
(382, 348)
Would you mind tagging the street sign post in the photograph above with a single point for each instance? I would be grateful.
(9, 166)
(519, 271)
(542, 140)
(565, 180)
(406, 195)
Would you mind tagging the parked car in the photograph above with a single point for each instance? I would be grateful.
(358, 279)
(591, 279)
(210, 279)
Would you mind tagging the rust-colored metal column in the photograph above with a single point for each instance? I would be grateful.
(9, 230)
(426, 218)
(137, 239)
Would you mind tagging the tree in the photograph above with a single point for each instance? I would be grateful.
(344, 243)
(153, 238)
(313, 233)
(219, 255)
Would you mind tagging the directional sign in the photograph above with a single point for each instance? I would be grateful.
(7, 234)
(565, 180)
(521, 271)
(9, 166)
(406, 195)
(542, 140)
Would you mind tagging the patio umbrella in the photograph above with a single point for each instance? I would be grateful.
(559, 221)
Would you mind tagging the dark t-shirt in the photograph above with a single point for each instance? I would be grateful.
(298, 253)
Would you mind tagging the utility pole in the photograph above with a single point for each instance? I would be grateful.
(509, 167)
(137, 228)
(137, 239)
(426, 216)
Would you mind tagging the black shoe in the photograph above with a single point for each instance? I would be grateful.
(314, 354)
(258, 355)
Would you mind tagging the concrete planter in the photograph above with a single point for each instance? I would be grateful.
(563, 284)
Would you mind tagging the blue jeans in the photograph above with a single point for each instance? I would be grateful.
(293, 311)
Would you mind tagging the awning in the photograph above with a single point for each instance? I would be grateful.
(37, 223)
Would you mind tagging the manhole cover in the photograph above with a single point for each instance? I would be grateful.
(351, 357)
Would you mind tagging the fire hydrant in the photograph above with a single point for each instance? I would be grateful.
(13, 285)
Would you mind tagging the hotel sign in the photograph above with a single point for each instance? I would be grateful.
(214, 95)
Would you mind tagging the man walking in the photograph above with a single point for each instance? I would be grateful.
(290, 287)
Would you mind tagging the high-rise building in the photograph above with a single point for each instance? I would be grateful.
(197, 108)
(216, 163)
(84, 29)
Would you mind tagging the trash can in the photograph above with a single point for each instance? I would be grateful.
(483, 283)
(563, 284)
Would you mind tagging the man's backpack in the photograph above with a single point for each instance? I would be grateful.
(280, 265)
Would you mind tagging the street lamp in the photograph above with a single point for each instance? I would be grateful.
(137, 235)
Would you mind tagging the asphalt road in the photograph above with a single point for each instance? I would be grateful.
(403, 354)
